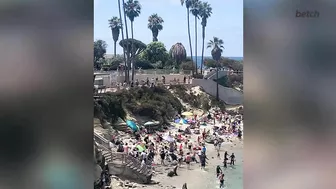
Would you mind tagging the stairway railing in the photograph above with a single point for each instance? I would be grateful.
(135, 162)
(104, 144)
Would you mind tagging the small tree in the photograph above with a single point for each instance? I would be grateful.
(155, 52)
(99, 51)
(132, 48)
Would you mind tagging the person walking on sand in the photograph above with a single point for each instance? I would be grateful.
(232, 157)
(221, 180)
(203, 159)
(204, 149)
(162, 156)
(188, 160)
(218, 170)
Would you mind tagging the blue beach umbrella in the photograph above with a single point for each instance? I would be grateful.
(132, 125)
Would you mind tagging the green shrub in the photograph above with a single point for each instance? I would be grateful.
(187, 65)
(143, 64)
(156, 103)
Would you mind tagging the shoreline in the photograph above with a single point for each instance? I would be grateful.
(195, 177)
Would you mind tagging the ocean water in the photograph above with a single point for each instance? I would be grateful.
(199, 59)
(233, 178)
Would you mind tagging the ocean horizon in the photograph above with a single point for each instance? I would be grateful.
(199, 59)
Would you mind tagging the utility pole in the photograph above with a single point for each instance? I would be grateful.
(217, 94)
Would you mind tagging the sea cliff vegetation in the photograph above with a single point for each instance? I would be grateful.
(156, 103)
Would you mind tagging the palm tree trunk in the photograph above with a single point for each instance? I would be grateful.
(196, 45)
(217, 94)
(115, 48)
(203, 38)
(122, 36)
(132, 55)
(127, 55)
(132, 29)
(191, 55)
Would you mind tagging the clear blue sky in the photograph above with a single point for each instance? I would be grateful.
(226, 23)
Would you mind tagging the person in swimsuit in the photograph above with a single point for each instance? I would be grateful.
(188, 160)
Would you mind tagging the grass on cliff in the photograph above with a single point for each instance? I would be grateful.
(155, 103)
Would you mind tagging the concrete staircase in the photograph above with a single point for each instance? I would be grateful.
(133, 165)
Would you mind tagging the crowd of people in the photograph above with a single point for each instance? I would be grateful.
(156, 150)
(152, 82)
(177, 148)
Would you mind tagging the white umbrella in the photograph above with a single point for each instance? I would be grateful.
(150, 123)
(168, 138)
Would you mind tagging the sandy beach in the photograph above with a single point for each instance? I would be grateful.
(195, 177)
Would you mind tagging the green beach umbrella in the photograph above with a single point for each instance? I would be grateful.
(140, 148)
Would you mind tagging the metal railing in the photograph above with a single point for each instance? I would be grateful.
(104, 144)
(146, 169)
(148, 72)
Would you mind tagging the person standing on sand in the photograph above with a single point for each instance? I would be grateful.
(162, 155)
(193, 157)
(218, 170)
(225, 159)
(203, 159)
(204, 149)
(188, 160)
(221, 180)
(232, 159)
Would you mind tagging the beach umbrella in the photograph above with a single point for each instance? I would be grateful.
(150, 123)
(140, 148)
(187, 114)
(183, 121)
(132, 125)
(168, 138)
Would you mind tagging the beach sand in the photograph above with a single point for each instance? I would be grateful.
(197, 178)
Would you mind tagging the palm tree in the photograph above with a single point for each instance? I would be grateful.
(132, 10)
(188, 5)
(217, 48)
(122, 36)
(204, 12)
(155, 24)
(195, 6)
(178, 53)
(115, 25)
